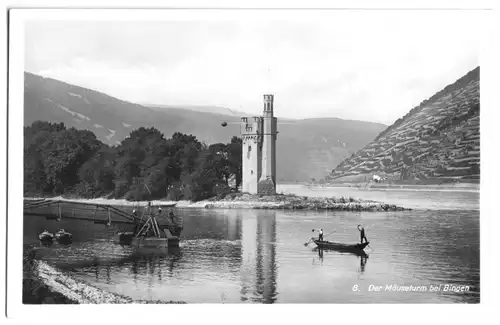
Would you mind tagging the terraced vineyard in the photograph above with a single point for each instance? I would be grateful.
(436, 141)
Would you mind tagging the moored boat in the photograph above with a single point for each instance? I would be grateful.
(46, 236)
(63, 236)
(166, 205)
(352, 248)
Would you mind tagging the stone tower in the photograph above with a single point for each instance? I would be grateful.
(259, 151)
(251, 133)
(267, 181)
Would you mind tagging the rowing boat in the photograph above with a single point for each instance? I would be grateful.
(63, 237)
(46, 236)
(323, 244)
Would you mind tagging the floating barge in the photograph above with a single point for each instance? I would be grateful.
(146, 242)
(167, 239)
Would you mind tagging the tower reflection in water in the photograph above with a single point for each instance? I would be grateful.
(235, 252)
(258, 263)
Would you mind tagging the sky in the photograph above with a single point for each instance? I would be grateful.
(360, 65)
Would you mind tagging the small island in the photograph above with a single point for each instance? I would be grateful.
(249, 201)
(292, 202)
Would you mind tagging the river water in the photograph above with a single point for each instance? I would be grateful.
(259, 256)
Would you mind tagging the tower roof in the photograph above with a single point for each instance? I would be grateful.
(268, 104)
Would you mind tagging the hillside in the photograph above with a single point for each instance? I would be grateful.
(437, 141)
(306, 148)
(204, 109)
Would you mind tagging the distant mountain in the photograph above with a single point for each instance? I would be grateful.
(306, 148)
(436, 141)
(204, 109)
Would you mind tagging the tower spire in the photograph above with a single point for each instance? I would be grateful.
(267, 181)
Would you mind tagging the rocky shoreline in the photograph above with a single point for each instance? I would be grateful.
(292, 202)
(256, 201)
(43, 284)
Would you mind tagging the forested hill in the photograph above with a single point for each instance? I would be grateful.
(437, 141)
(146, 165)
(306, 148)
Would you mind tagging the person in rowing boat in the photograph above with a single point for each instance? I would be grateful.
(320, 234)
(362, 234)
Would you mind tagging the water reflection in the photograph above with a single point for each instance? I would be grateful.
(235, 243)
(156, 263)
(363, 258)
(259, 269)
(202, 224)
(234, 256)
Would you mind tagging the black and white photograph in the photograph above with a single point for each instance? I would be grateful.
(247, 156)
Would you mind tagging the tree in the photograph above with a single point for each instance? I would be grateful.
(234, 156)
(97, 174)
(59, 160)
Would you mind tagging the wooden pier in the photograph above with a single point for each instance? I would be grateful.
(150, 228)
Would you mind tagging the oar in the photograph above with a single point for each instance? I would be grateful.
(329, 233)
(370, 248)
(305, 244)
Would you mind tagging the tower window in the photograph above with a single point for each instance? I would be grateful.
(248, 152)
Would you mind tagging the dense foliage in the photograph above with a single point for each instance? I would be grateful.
(145, 165)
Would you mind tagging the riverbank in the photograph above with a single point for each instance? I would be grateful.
(43, 284)
(458, 187)
(256, 201)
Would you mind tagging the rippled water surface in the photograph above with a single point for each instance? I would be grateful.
(239, 256)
